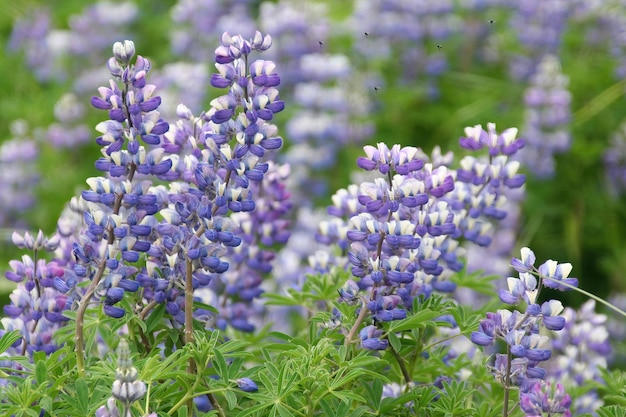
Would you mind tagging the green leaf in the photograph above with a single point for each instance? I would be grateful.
(41, 371)
(395, 342)
(220, 364)
(374, 393)
(8, 339)
(359, 411)
(283, 411)
(182, 412)
(154, 319)
(254, 409)
(328, 408)
(611, 411)
(351, 375)
(418, 319)
(231, 399)
(198, 304)
(348, 395)
(82, 395)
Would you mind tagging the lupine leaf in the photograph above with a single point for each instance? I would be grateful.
(231, 399)
(348, 395)
(41, 371)
(82, 395)
(154, 319)
(8, 339)
(395, 342)
(416, 320)
(374, 391)
(254, 409)
(220, 365)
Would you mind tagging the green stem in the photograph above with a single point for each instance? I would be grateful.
(356, 325)
(405, 371)
(586, 293)
(191, 368)
(84, 302)
(507, 381)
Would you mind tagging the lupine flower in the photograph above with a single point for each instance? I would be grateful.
(403, 228)
(537, 36)
(127, 388)
(402, 33)
(19, 175)
(547, 117)
(580, 351)
(247, 385)
(370, 339)
(615, 162)
(542, 398)
(521, 333)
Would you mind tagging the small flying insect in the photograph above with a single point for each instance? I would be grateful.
(366, 34)
(321, 43)
(492, 21)
(376, 89)
(439, 47)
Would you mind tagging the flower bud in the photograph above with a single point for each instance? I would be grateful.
(124, 51)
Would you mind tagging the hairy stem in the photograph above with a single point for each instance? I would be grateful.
(191, 366)
(80, 318)
(507, 381)
(356, 325)
(402, 365)
(79, 337)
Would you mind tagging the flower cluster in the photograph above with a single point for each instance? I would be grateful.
(17, 169)
(615, 162)
(581, 351)
(127, 388)
(526, 346)
(547, 117)
(538, 37)
(409, 35)
(403, 230)
(165, 244)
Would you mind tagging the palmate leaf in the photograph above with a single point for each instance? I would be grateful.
(419, 319)
(476, 281)
(611, 411)
(8, 339)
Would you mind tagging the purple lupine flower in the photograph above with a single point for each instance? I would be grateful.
(370, 338)
(551, 271)
(615, 162)
(537, 37)
(404, 228)
(247, 385)
(396, 159)
(548, 116)
(30, 34)
(543, 397)
(401, 34)
(580, 354)
(19, 175)
(126, 387)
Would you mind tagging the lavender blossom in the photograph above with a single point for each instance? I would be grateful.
(402, 33)
(547, 117)
(580, 353)
(19, 175)
(403, 229)
(542, 398)
(522, 333)
(539, 27)
(615, 162)
(127, 388)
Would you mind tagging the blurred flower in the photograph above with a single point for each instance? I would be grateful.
(548, 116)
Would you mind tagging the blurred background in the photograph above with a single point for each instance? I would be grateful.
(354, 72)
